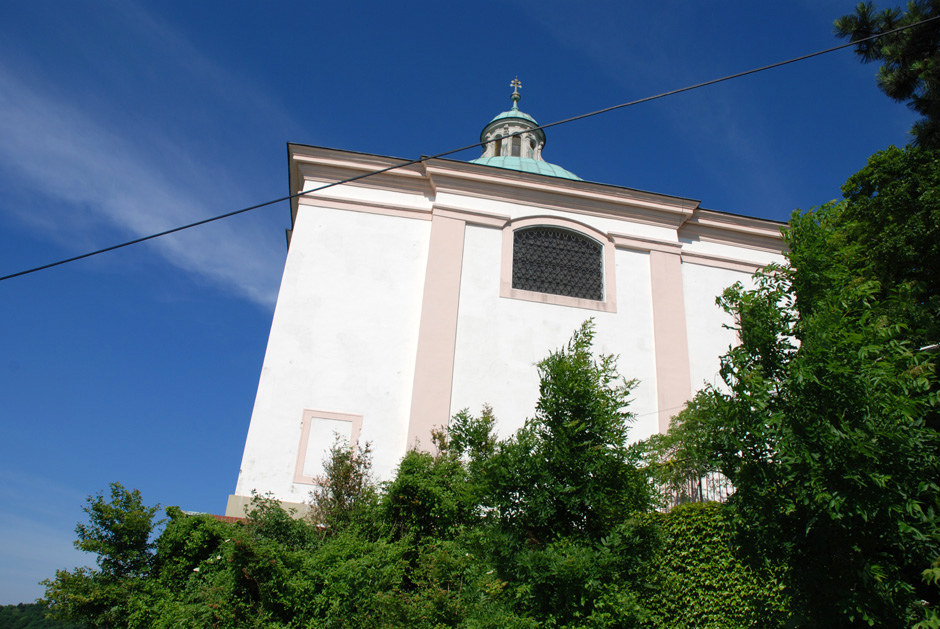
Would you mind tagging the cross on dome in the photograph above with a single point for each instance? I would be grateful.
(513, 140)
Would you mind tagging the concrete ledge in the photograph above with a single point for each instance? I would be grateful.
(237, 506)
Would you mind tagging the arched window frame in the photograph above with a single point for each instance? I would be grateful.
(608, 304)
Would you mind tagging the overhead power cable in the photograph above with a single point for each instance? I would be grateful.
(425, 158)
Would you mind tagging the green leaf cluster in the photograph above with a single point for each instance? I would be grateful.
(699, 578)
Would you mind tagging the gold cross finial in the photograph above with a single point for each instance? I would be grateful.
(515, 85)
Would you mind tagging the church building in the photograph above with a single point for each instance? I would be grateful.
(410, 295)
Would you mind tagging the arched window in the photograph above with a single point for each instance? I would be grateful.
(497, 145)
(557, 261)
(516, 146)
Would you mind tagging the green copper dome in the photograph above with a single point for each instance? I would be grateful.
(513, 113)
(513, 140)
(526, 165)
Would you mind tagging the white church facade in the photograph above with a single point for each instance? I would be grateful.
(410, 295)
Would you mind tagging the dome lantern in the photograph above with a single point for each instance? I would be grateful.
(514, 140)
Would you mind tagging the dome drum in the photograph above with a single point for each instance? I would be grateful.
(514, 140)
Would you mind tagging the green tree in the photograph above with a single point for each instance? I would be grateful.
(119, 531)
(30, 616)
(826, 423)
(348, 494)
(559, 497)
(910, 58)
(568, 471)
(889, 231)
(428, 498)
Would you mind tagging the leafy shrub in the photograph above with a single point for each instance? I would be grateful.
(698, 578)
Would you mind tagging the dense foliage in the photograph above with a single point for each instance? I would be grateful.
(827, 420)
(550, 527)
(887, 230)
(698, 579)
(910, 58)
(30, 616)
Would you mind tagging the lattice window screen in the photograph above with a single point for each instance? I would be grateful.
(557, 261)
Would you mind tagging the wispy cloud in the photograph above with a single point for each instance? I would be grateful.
(94, 170)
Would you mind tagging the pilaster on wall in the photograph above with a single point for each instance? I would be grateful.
(673, 382)
(437, 336)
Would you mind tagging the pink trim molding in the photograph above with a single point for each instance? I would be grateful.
(673, 379)
(370, 207)
(472, 217)
(309, 416)
(721, 262)
(738, 231)
(641, 243)
(437, 334)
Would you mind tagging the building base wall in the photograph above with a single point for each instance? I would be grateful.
(237, 506)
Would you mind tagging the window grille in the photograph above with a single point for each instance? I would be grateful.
(557, 261)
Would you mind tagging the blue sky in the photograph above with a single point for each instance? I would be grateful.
(118, 119)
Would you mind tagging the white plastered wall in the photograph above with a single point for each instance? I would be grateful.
(499, 340)
(709, 327)
(343, 340)
(345, 335)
